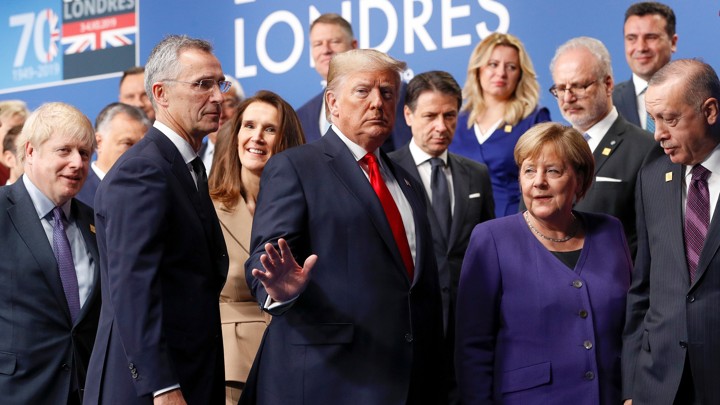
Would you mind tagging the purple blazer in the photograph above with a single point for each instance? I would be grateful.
(532, 331)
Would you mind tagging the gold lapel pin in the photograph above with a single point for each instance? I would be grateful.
(92, 228)
(606, 152)
(668, 176)
(407, 182)
(508, 128)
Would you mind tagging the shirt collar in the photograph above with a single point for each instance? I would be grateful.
(420, 156)
(186, 151)
(98, 172)
(43, 205)
(639, 83)
(597, 132)
(357, 151)
(712, 163)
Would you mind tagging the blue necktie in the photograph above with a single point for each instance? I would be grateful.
(650, 124)
(66, 266)
(440, 196)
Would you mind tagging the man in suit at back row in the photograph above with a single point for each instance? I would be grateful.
(650, 41)
(457, 190)
(360, 322)
(671, 350)
(331, 34)
(49, 275)
(583, 85)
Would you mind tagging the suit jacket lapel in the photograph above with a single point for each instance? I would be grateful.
(28, 226)
(610, 142)
(461, 191)
(87, 229)
(346, 168)
(674, 203)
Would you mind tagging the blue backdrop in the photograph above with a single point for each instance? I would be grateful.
(264, 42)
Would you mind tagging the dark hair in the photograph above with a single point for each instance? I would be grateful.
(225, 182)
(435, 80)
(111, 110)
(654, 8)
(701, 80)
(10, 137)
(135, 70)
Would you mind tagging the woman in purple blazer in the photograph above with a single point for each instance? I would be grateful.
(541, 301)
(501, 103)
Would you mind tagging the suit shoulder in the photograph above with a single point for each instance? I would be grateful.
(469, 163)
(398, 154)
(311, 105)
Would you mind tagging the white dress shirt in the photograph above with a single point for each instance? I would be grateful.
(712, 163)
(597, 132)
(424, 167)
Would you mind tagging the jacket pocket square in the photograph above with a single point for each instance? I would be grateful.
(607, 179)
(474, 195)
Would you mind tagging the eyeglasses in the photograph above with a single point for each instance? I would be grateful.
(577, 90)
(206, 85)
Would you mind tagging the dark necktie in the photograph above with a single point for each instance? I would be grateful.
(391, 212)
(697, 217)
(66, 266)
(202, 180)
(440, 196)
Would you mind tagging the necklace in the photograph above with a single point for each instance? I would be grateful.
(561, 240)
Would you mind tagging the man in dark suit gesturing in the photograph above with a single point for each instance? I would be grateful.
(360, 322)
(582, 74)
(163, 257)
(457, 201)
(671, 341)
(49, 295)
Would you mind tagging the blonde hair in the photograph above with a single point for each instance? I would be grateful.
(52, 118)
(361, 60)
(569, 144)
(527, 93)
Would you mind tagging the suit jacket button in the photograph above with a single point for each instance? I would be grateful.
(683, 344)
(587, 344)
(583, 314)
(131, 366)
(577, 284)
(409, 337)
(589, 375)
(690, 298)
(65, 367)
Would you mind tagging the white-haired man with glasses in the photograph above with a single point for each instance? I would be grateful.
(583, 85)
(163, 256)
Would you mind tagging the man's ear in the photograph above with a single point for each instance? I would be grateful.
(710, 109)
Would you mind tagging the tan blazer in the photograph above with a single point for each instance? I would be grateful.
(243, 323)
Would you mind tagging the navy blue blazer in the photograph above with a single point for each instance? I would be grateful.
(473, 204)
(309, 115)
(361, 332)
(43, 355)
(87, 193)
(624, 149)
(163, 264)
(625, 101)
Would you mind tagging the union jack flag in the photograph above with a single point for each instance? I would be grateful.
(99, 33)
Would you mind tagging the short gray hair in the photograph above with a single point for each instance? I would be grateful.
(162, 62)
(602, 68)
(700, 80)
(102, 122)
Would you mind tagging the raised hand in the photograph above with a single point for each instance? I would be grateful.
(283, 278)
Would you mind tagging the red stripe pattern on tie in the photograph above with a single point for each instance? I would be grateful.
(391, 212)
(697, 217)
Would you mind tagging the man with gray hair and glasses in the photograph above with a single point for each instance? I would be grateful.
(163, 256)
(582, 73)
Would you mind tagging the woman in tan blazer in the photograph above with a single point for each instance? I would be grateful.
(263, 125)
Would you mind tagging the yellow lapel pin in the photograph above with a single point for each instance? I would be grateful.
(92, 228)
(508, 128)
(606, 152)
(668, 176)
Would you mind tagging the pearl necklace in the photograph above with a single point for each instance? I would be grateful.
(561, 240)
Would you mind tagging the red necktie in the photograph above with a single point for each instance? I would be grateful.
(391, 212)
